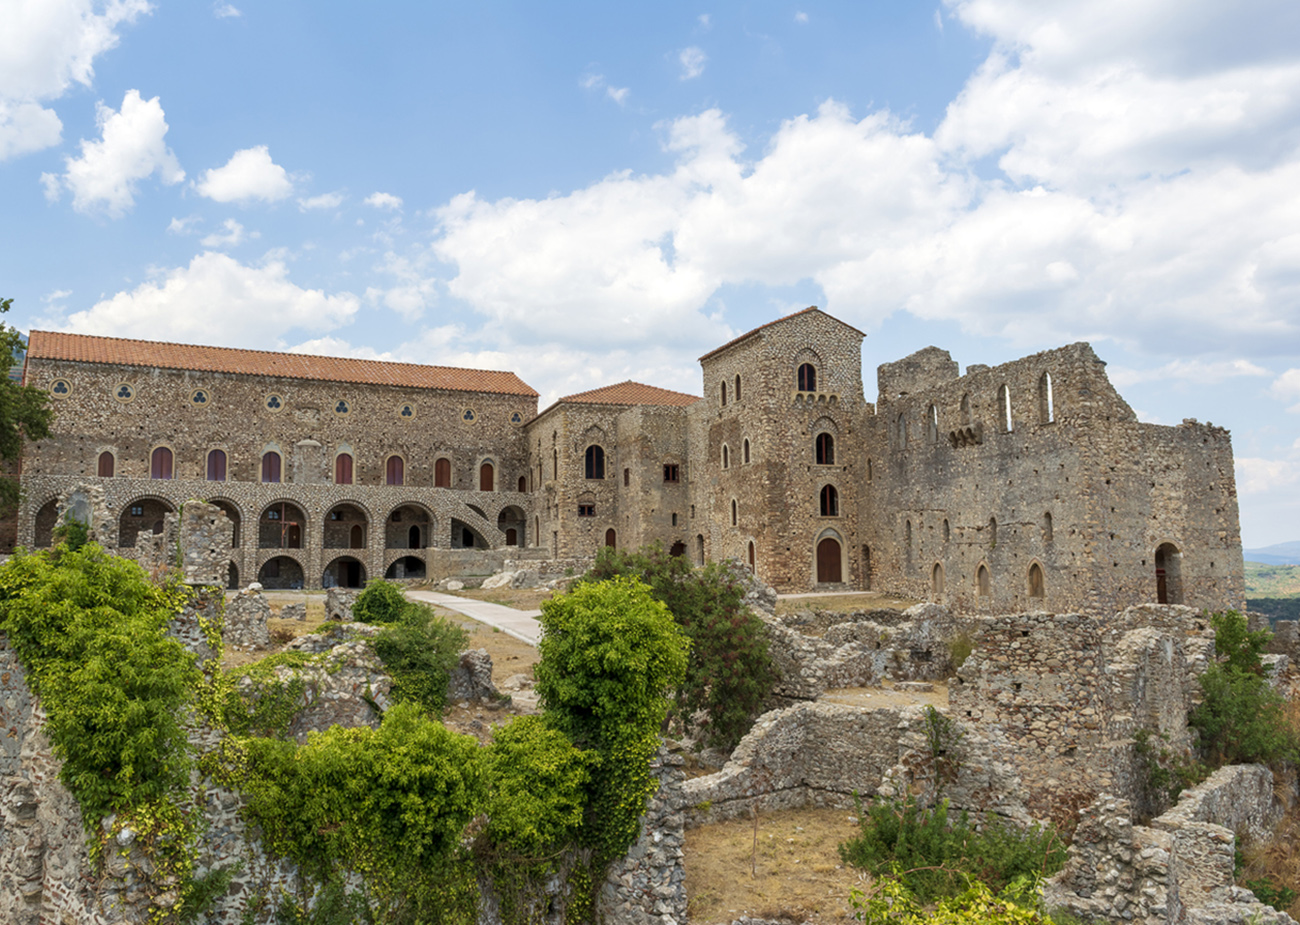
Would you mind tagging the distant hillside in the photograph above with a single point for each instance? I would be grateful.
(1277, 554)
(1272, 580)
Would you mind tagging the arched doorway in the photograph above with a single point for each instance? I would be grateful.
(232, 577)
(47, 518)
(611, 538)
(280, 573)
(828, 561)
(1169, 578)
(144, 515)
(511, 522)
(346, 527)
(408, 527)
(405, 567)
(344, 572)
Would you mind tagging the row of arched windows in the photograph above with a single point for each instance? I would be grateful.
(735, 396)
(162, 466)
(1006, 418)
(991, 528)
(1035, 581)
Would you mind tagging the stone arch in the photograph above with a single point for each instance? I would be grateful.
(983, 582)
(1036, 580)
(276, 526)
(513, 522)
(463, 536)
(828, 557)
(345, 523)
(281, 573)
(232, 576)
(344, 572)
(47, 518)
(1046, 409)
(405, 567)
(150, 519)
(162, 462)
(936, 582)
(487, 475)
(235, 514)
(1169, 574)
(932, 424)
(403, 519)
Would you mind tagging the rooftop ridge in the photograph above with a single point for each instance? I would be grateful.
(761, 327)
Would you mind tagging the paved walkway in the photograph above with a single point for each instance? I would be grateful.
(521, 624)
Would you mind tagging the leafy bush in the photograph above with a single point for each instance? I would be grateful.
(610, 655)
(889, 902)
(420, 651)
(934, 856)
(381, 602)
(1241, 719)
(730, 673)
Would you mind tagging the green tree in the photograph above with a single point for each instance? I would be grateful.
(25, 412)
(730, 674)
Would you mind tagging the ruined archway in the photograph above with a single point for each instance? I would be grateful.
(47, 518)
(281, 573)
(1169, 577)
(346, 527)
(344, 572)
(511, 522)
(405, 567)
(143, 515)
(409, 526)
(282, 525)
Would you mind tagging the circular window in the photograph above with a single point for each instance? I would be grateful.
(60, 388)
(124, 392)
(468, 416)
(341, 407)
(516, 417)
(274, 403)
(406, 411)
(200, 397)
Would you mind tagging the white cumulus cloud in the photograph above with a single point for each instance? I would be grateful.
(45, 47)
(323, 201)
(1205, 372)
(217, 300)
(250, 175)
(226, 11)
(384, 201)
(692, 60)
(131, 148)
(233, 235)
(1287, 387)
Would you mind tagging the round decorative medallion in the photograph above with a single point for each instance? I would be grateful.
(468, 416)
(60, 388)
(342, 407)
(274, 403)
(516, 417)
(406, 411)
(124, 392)
(200, 397)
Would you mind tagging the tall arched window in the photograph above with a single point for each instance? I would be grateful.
(751, 555)
(523, 484)
(1046, 413)
(733, 512)
(947, 530)
(723, 390)
(901, 430)
(442, 473)
(830, 501)
(106, 465)
(486, 477)
(983, 582)
(737, 396)
(825, 449)
(936, 580)
(595, 462)
(343, 469)
(965, 410)
(807, 378)
(726, 456)
(746, 450)
(1037, 587)
(932, 424)
(1004, 409)
(395, 471)
(270, 466)
(217, 466)
(160, 463)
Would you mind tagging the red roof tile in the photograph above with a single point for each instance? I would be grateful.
(85, 348)
(633, 393)
(748, 334)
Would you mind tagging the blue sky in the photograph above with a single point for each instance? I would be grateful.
(587, 192)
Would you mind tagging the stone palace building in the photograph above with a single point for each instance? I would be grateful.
(1025, 486)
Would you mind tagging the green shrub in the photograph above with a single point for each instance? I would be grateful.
(936, 856)
(71, 532)
(889, 902)
(1241, 718)
(610, 655)
(959, 649)
(420, 651)
(267, 705)
(381, 602)
(730, 673)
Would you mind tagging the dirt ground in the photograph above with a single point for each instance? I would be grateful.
(518, 598)
(792, 871)
(888, 696)
(841, 603)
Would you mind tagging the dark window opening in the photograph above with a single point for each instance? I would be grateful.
(586, 510)
(672, 473)
(807, 378)
(825, 450)
(830, 501)
(595, 462)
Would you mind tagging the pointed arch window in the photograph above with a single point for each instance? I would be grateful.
(595, 462)
(825, 449)
(1004, 409)
(1037, 586)
(737, 395)
(270, 466)
(217, 466)
(395, 471)
(343, 469)
(1046, 413)
(807, 378)
(106, 465)
(830, 501)
(932, 424)
(160, 463)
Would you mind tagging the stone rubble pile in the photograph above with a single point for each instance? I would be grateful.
(246, 614)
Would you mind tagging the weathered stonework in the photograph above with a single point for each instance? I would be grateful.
(245, 626)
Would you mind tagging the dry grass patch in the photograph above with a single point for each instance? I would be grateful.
(518, 598)
(843, 603)
(887, 696)
(793, 871)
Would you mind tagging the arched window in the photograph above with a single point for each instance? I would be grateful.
(807, 378)
(1037, 587)
(395, 471)
(993, 531)
(936, 580)
(611, 538)
(270, 466)
(1047, 526)
(907, 535)
(947, 531)
(343, 469)
(726, 456)
(830, 501)
(160, 463)
(595, 462)
(746, 450)
(523, 484)
(733, 512)
(486, 477)
(724, 394)
(1004, 409)
(983, 582)
(1046, 413)
(932, 424)
(965, 410)
(217, 466)
(738, 397)
(901, 430)
(106, 465)
(825, 449)
(442, 473)
(1169, 580)
(751, 549)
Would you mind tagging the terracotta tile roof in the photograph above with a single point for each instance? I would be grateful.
(749, 334)
(85, 348)
(633, 393)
